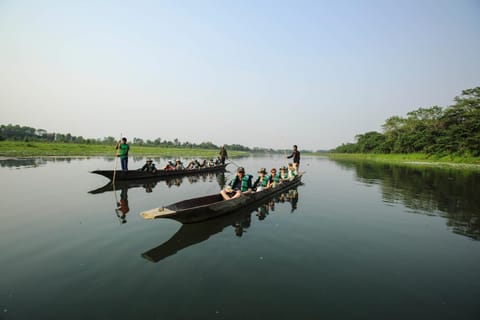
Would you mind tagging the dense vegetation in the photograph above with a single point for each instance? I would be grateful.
(19, 133)
(454, 130)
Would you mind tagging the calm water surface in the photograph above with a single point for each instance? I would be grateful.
(355, 241)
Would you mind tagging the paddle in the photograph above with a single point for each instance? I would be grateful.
(113, 179)
(115, 166)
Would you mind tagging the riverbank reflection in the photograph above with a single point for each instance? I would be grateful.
(150, 184)
(446, 192)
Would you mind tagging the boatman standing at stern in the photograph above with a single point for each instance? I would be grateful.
(241, 183)
(223, 154)
(296, 158)
(122, 153)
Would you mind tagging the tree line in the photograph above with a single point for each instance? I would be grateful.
(454, 129)
(28, 134)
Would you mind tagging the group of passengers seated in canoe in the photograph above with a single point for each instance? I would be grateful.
(242, 183)
(149, 166)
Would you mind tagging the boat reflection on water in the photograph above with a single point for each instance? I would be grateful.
(240, 220)
(150, 184)
(291, 196)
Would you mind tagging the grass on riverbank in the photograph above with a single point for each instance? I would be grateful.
(16, 149)
(412, 158)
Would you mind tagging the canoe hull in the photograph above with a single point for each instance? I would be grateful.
(159, 174)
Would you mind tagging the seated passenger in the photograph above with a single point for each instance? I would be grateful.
(211, 163)
(170, 165)
(262, 180)
(179, 165)
(241, 183)
(291, 171)
(283, 174)
(194, 164)
(274, 178)
(149, 166)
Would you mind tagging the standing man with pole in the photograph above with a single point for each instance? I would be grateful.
(223, 154)
(296, 158)
(123, 149)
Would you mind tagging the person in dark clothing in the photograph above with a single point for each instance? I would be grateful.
(223, 154)
(296, 158)
(149, 166)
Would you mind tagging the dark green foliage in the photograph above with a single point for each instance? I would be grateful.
(453, 130)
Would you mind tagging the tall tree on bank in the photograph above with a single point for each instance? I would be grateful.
(453, 130)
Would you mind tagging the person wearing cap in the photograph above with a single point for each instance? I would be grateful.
(149, 166)
(283, 173)
(262, 180)
(241, 183)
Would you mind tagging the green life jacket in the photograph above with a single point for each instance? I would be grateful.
(245, 184)
(265, 180)
(276, 178)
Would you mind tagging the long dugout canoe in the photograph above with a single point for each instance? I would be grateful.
(211, 206)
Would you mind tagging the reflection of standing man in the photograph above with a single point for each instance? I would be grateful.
(296, 158)
(122, 205)
(123, 149)
(221, 179)
(223, 154)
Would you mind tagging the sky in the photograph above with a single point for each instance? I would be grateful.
(257, 73)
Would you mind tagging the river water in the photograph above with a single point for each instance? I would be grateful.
(356, 240)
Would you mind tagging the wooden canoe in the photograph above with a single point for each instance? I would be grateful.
(159, 174)
(209, 207)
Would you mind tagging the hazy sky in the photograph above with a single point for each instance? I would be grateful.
(257, 73)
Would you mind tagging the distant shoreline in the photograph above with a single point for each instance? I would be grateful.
(414, 159)
(20, 149)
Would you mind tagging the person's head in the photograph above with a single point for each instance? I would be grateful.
(262, 171)
(294, 147)
(240, 171)
(124, 140)
(290, 165)
(273, 171)
(149, 161)
(282, 169)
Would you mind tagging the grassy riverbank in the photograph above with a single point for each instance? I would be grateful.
(41, 149)
(412, 158)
